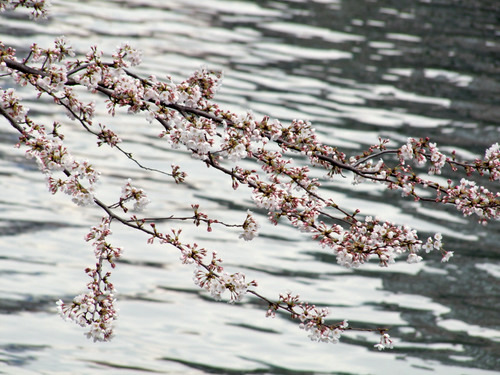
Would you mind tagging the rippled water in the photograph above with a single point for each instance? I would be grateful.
(358, 70)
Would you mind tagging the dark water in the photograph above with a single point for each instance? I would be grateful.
(357, 70)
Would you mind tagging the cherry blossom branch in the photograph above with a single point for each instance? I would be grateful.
(96, 310)
(283, 187)
(263, 188)
(281, 142)
(312, 318)
(368, 174)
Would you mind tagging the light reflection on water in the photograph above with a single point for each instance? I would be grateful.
(357, 70)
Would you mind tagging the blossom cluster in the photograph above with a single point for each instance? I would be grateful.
(491, 161)
(250, 227)
(135, 194)
(467, 196)
(382, 239)
(385, 342)
(49, 152)
(312, 318)
(208, 275)
(470, 198)
(11, 105)
(38, 8)
(313, 322)
(422, 151)
(77, 178)
(96, 309)
(218, 284)
(102, 249)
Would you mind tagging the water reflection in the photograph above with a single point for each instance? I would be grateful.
(358, 70)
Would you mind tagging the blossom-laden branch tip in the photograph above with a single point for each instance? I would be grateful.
(96, 309)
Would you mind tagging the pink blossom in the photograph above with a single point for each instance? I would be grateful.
(385, 342)
(130, 192)
(250, 227)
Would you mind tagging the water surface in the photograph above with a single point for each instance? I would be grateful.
(356, 69)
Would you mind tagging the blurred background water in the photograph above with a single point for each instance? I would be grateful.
(358, 70)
